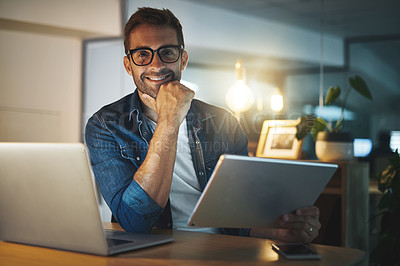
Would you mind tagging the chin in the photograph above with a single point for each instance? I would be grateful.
(152, 92)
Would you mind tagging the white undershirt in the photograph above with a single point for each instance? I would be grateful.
(185, 188)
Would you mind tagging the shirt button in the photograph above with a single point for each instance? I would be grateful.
(138, 158)
(201, 173)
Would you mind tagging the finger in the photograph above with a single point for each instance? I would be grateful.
(187, 91)
(300, 222)
(306, 236)
(191, 94)
(306, 227)
(177, 88)
(309, 211)
(293, 236)
(149, 101)
(294, 218)
(309, 233)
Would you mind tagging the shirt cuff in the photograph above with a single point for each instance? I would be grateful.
(135, 197)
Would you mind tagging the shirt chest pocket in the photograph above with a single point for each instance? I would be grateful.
(135, 154)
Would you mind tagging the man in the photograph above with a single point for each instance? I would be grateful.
(153, 151)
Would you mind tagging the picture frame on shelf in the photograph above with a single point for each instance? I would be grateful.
(278, 140)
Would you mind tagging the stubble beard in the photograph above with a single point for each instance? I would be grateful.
(143, 87)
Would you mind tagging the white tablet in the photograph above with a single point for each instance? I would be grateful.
(246, 192)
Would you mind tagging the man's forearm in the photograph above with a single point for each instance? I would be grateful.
(169, 109)
(155, 174)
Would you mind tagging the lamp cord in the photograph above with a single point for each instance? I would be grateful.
(321, 62)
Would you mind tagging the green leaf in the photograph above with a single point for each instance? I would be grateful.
(332, 94)
(386, 250)
(339, 125)
(302, 128)
(360, 86)
(309, 124)
(385, 201)
(319, 125)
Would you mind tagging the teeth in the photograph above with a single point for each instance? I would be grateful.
(160, 78)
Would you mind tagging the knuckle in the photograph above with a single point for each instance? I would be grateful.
(304, 226)
(318, 226)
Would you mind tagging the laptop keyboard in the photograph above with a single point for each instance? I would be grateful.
(112, 242)
(111, 237)
(113, 233)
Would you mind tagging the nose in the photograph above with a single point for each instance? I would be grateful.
(156, 63)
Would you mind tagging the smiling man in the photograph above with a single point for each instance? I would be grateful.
(153, 151)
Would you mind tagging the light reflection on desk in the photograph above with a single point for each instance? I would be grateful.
(267, 253)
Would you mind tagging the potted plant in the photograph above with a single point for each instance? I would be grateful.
(387, 249)
(332, 144)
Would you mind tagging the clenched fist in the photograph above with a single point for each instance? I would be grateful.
(172, 103)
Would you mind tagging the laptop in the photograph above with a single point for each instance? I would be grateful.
(48, 198)
(245, 192)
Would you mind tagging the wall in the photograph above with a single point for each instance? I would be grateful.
(83, 17)
(105, 78)
(221, 36)
(221, 31)
(40, 87)
(41, 65)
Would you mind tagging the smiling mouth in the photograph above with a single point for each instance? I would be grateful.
(161, 78)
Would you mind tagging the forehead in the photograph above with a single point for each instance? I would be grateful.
(152, 36)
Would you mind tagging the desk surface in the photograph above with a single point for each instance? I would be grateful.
(188, 248)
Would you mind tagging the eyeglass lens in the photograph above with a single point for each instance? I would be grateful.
(167, 54)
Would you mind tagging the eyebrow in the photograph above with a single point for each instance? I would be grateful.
(146, 47)
(140, 47)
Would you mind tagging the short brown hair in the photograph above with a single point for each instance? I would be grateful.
(152, 16)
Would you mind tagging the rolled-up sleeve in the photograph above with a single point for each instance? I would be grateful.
(133, 208)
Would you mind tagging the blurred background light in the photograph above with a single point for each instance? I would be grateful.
(395, 140)
(332, 113)
(277, 102)
(239, 98)
(362, 147)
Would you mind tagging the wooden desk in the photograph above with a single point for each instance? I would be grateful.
(188, 248)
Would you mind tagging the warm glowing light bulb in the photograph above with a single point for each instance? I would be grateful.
(277, 102)
(239, 97)
(260, 104)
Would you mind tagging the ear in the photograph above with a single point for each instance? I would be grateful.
(127, 65)
(185, 60)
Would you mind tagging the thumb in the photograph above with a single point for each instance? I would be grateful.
(149, 101)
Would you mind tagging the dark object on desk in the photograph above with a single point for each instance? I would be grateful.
(51, 185)
(296, 251)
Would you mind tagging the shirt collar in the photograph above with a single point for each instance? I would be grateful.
(198, 115)
(135, 106)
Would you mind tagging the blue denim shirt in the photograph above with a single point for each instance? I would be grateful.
(118, 140)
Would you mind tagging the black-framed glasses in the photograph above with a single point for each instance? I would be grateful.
(144, 56)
